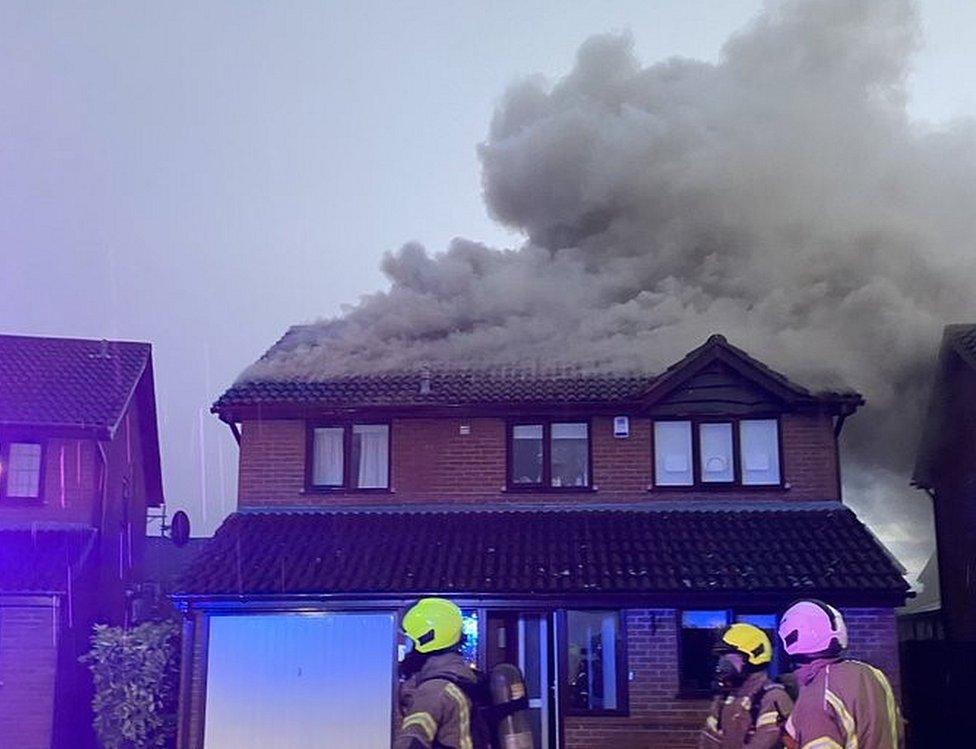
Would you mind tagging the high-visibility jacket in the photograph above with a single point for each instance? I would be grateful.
(437, 709)
(752, 715)
(844, 704)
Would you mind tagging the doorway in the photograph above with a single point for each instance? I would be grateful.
(526, 639)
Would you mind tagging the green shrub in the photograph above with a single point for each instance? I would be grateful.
(136, 676)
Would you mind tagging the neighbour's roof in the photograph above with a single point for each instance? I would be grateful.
(42, 559)
(513, 385)
(783, 552)
(68, 382)
(963, 339)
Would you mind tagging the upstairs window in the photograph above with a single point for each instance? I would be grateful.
(22, 470)
(760, 452)
(351, 456)
(716, 451)
(549, 455)
(711, 453)
(673, 454)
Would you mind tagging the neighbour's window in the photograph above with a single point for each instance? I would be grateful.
(760, 451)
(22, 472)
(368, 463)
(547, 454)
(714, 453)
(701, 632)
(595, 666)
(672, 453)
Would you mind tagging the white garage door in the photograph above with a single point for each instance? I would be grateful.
(297, 681)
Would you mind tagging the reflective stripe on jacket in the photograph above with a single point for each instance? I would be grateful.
(845, 704)
(436, 711)
(729, 724)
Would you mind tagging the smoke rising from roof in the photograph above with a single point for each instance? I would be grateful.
(782, 197)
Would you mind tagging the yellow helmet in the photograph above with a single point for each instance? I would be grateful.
(433, 624)
(751, 641)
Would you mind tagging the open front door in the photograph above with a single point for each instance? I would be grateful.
(525, 639)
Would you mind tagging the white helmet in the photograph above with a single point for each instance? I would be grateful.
(812, 628)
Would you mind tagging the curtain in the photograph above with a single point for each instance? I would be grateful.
(374, 459)
(715, 441)
(328, 464)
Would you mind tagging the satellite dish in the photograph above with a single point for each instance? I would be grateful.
(179, 528)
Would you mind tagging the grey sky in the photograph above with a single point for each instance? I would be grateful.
(203, 178)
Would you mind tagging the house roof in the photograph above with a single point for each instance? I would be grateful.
(68, 382)
(780, 552)
(43, 559)
(509, 386)
(957, 358)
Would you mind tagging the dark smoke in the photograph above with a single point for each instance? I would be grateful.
(782, 196)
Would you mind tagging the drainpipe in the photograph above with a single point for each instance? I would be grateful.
(184, 708)
(235, 431)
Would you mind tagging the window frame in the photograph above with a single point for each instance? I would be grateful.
(621, 660)
(5, 444)
(348, 484)
(731, 616)
(546, 484)
(718, 486)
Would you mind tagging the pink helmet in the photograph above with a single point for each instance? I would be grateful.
(812, 628)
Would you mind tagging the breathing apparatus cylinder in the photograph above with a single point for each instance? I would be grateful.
(510, 705)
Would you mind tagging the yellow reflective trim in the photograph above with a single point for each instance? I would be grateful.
(711, 722)
(767, 719)
(424, 720)
(890, 703)
(464, 716)
(825, 742)
(846, 719)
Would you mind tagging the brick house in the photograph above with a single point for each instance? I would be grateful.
(598, 530)
(79, 465)
(945, 468)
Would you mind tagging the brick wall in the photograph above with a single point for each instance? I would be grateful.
(874, 639)
(433, 462)
(28, 661)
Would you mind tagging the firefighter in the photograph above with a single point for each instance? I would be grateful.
(842, 702)
(441, 696)
(750, 709)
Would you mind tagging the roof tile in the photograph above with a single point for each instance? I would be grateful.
(536, 551)
(69, 382)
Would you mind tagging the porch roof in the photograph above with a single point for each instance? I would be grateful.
(772, 551)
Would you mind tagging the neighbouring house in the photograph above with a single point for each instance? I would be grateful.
(79, 465)
(598, 530)
(943, 668)
(946, 468)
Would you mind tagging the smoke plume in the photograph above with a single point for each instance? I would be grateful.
(781, 196)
